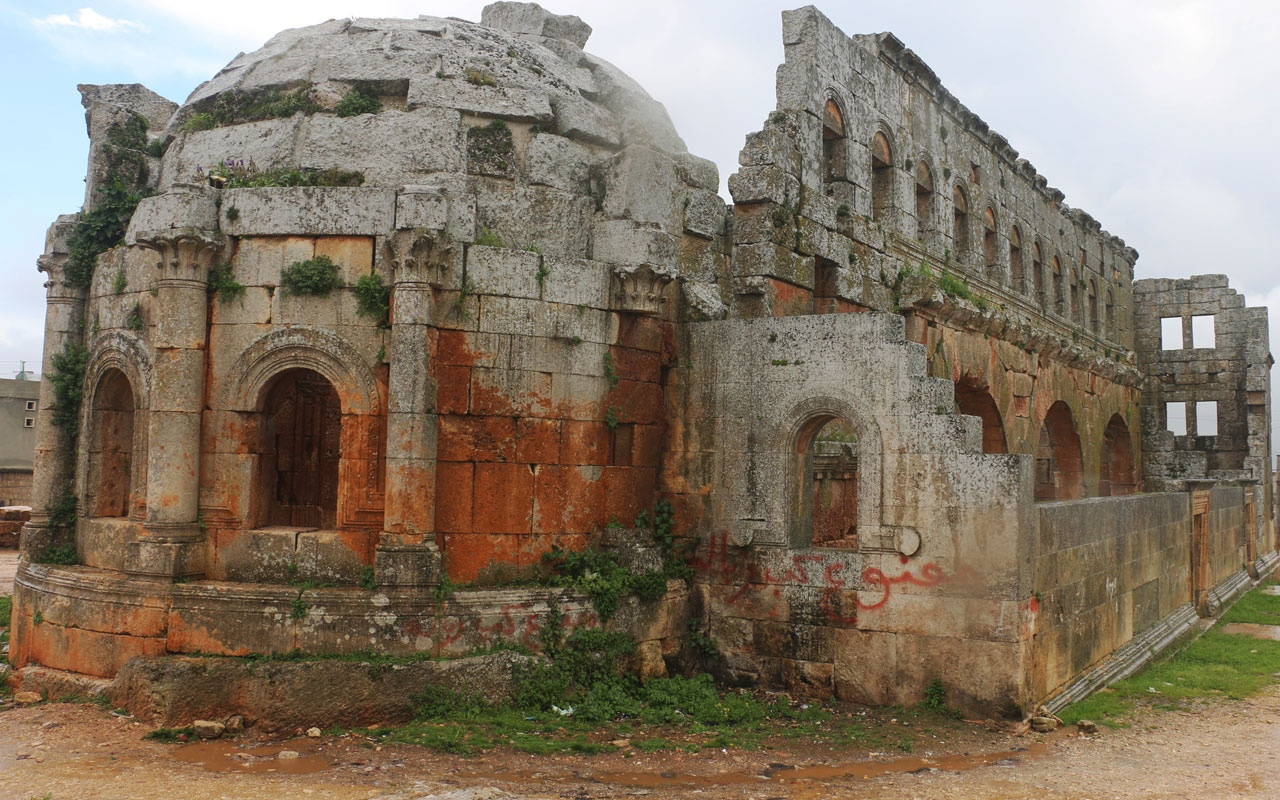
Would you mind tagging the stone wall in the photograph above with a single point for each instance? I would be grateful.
(936, 586)
(1105, 570)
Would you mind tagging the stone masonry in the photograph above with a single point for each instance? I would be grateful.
(408, 304)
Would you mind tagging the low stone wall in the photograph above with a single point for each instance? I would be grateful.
(1114, 573)
(93, 621)
(12, 518)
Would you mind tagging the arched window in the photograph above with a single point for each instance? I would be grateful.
(1058, 463)
(1037, 275)
(1093, 305)
(833, 146)
(990, 256)
(960, 226)
(1116, 477)
(1059, 298)
(827, 505)
(924, 201)
(1015, 260)
(881, 177)
(301, 447)
(975, 401)
(111, 446)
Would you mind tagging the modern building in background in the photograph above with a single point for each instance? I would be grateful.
(19, 401)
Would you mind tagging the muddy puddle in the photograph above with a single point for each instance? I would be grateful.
(776, 772)
(1268, 632)
(288, 758)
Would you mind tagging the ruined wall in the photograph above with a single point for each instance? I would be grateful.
(936, 584)
(871, 186)
(1232, 369)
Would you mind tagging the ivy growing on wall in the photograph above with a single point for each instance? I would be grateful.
(98, 231)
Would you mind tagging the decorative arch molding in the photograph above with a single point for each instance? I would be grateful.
(307, 348)
(127, 353)
(793, 439)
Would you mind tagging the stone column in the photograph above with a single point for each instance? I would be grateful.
(55, 446)
(172, 544)
(407, 554)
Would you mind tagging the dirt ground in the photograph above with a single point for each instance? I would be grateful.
(1221, 750)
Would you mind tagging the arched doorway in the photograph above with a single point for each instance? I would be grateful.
(301, 446)
(1058, 463)
(111, 446)
(1116, 477)
(826, 513)
(976, 401)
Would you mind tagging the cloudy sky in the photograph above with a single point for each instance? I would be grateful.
(1158, 117)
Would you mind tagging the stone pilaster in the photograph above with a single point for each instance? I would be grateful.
(55, 446)
(172, 544)
(407, 554)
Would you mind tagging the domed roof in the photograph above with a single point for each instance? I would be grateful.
(519, 64)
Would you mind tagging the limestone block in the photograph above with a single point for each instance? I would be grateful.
(511, 315)
(580, 119)
(288, 308)
(259, 260)
(643, 185)
(181, 209)
(395, 147)
(620, 241)
(575, 282)
(329, 556)
(258, 556)
(705, 214)
(764, 184)
(532, 19)
(426, 91)
(700, 259)
(420, 206)
(586, 324)
(698, 173)
(505, 272)
(265, 144)
(253, 307)
(282, 211)
(560, 162)
(541, 218)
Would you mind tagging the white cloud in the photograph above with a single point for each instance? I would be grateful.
(86, 19)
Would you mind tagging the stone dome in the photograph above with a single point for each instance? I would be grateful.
(434, 77)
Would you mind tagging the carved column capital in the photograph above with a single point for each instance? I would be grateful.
(419, 257)
(639, 288)
(57, 288)
(185, 256)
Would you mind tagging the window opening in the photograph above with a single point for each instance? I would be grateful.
(1175, 418)
(924, 200)
(881, 177)
(989, 257)
(1206, 418)
(1015, 260)
(1203, 334)
(827, 513)
(960, 227)
(1171, 333)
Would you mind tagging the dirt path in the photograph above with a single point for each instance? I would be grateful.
(1221, 750)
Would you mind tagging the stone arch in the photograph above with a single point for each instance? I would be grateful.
(1059, 465)
(1116, 475)
(302, 364)
(833, 143)
(960, 222)
(853, 511)
(924, 199)
(881, 176)
(974, 400)
(113, 463)
(307, 348)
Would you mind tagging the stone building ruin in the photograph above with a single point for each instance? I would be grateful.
(410, 303)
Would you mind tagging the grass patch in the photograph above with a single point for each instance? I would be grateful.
(171, 735)
(1216, 666)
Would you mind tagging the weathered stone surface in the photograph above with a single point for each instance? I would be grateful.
(281, 211)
